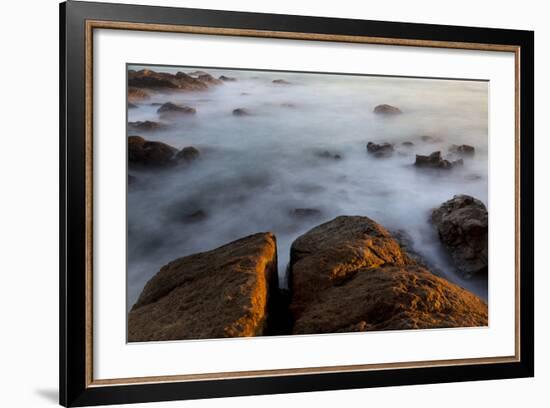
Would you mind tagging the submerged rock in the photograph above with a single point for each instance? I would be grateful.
(407, 144)
(241, 112)
(463, 226)
(380, 149)
(385, 109)
(131, 105)
(226, 292)
(281, 82)
(463, 150)
(431, 139)
(150, 154)
(169, 108)
(305, 212)
(147, 125)
(350, 274)
(188, 153)
(435, 161)
(325, 154)
(227, 79)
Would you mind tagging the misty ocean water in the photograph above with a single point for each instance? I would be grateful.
(255, 170)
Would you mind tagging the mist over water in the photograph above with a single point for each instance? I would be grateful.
(255, 170)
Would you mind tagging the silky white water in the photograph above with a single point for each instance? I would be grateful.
(255, 170)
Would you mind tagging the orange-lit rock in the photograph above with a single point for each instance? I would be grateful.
(350, 274)
(220, 293)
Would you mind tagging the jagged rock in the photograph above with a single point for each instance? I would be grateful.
(150, 154)
(435, 161)
(350, 274)
(463, 150)
(463, 226)
(380, 150)
(387, 110)
(226, 292)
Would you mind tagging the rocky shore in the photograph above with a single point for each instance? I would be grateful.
(346, 275)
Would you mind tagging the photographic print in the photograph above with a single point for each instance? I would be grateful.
(264, 203)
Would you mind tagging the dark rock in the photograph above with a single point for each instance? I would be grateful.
(350, 274)
(407, 144)
(147, 125)
(172, 108)
(380, 150)
(435, 161)
(149, 154)
(387, 110)
(131, 179)
(281, 82)
(226, 292)
(463, 225)
(463, 150)
(131, 105)
(325, 154)
(241, 112)
(188, 153)
(227, 79)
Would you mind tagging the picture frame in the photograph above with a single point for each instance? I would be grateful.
(78, 384)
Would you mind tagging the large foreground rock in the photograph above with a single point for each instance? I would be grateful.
(219, 293)
(463, 227)
(350, 274)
